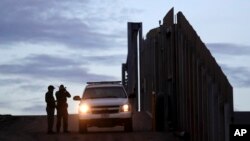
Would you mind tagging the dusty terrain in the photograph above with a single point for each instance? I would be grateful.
(29, 128)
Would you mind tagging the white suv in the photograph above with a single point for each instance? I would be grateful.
(104, 104)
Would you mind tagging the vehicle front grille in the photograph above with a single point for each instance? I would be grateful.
(109, 106)
(105, 109)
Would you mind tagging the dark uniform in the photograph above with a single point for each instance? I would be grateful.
(51, 105)
(62, 108)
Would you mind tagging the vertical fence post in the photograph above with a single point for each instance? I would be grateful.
(153, 110)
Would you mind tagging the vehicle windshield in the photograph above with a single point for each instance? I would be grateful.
(104, 92)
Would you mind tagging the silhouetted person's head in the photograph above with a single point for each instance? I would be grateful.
(61, 88)
(51, 88)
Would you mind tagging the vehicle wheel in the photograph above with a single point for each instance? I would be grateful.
(128, 127)
(82, 126)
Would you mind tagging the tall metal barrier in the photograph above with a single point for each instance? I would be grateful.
(192, 94)
(130, 77)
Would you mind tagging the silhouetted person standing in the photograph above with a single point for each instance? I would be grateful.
(62, 109)
(51, 105)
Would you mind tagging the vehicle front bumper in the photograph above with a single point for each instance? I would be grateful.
(120, 115)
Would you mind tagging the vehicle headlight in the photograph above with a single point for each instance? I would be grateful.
(84, 108)
(125, 108)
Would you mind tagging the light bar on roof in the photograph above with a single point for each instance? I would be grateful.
(105, 82)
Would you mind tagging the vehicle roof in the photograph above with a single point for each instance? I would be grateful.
(103, 85)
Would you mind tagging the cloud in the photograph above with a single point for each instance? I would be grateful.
(77, 24)
(31, 87)
(71, 32)
(106, 60)
(48, 67)
(229, 49)
(34, 109)
(231, 58)
(65, 32)
(3, 104)
(23, 105)
(239, 76)
(10, 81)
(7, 107)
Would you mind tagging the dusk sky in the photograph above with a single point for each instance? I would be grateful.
(55, 42)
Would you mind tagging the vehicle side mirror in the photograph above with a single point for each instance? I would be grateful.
(132, 95)
(76, 98)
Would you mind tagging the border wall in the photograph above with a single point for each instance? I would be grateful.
(192, 92)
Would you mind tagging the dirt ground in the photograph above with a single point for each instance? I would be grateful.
(33, 128)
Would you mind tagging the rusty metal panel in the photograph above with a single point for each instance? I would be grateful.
(168, 20)
(208, 71)
(175, 63)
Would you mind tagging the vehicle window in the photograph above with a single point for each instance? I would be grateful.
(104, 92)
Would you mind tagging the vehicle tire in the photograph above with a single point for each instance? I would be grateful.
(82, 126)
(128, 127)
